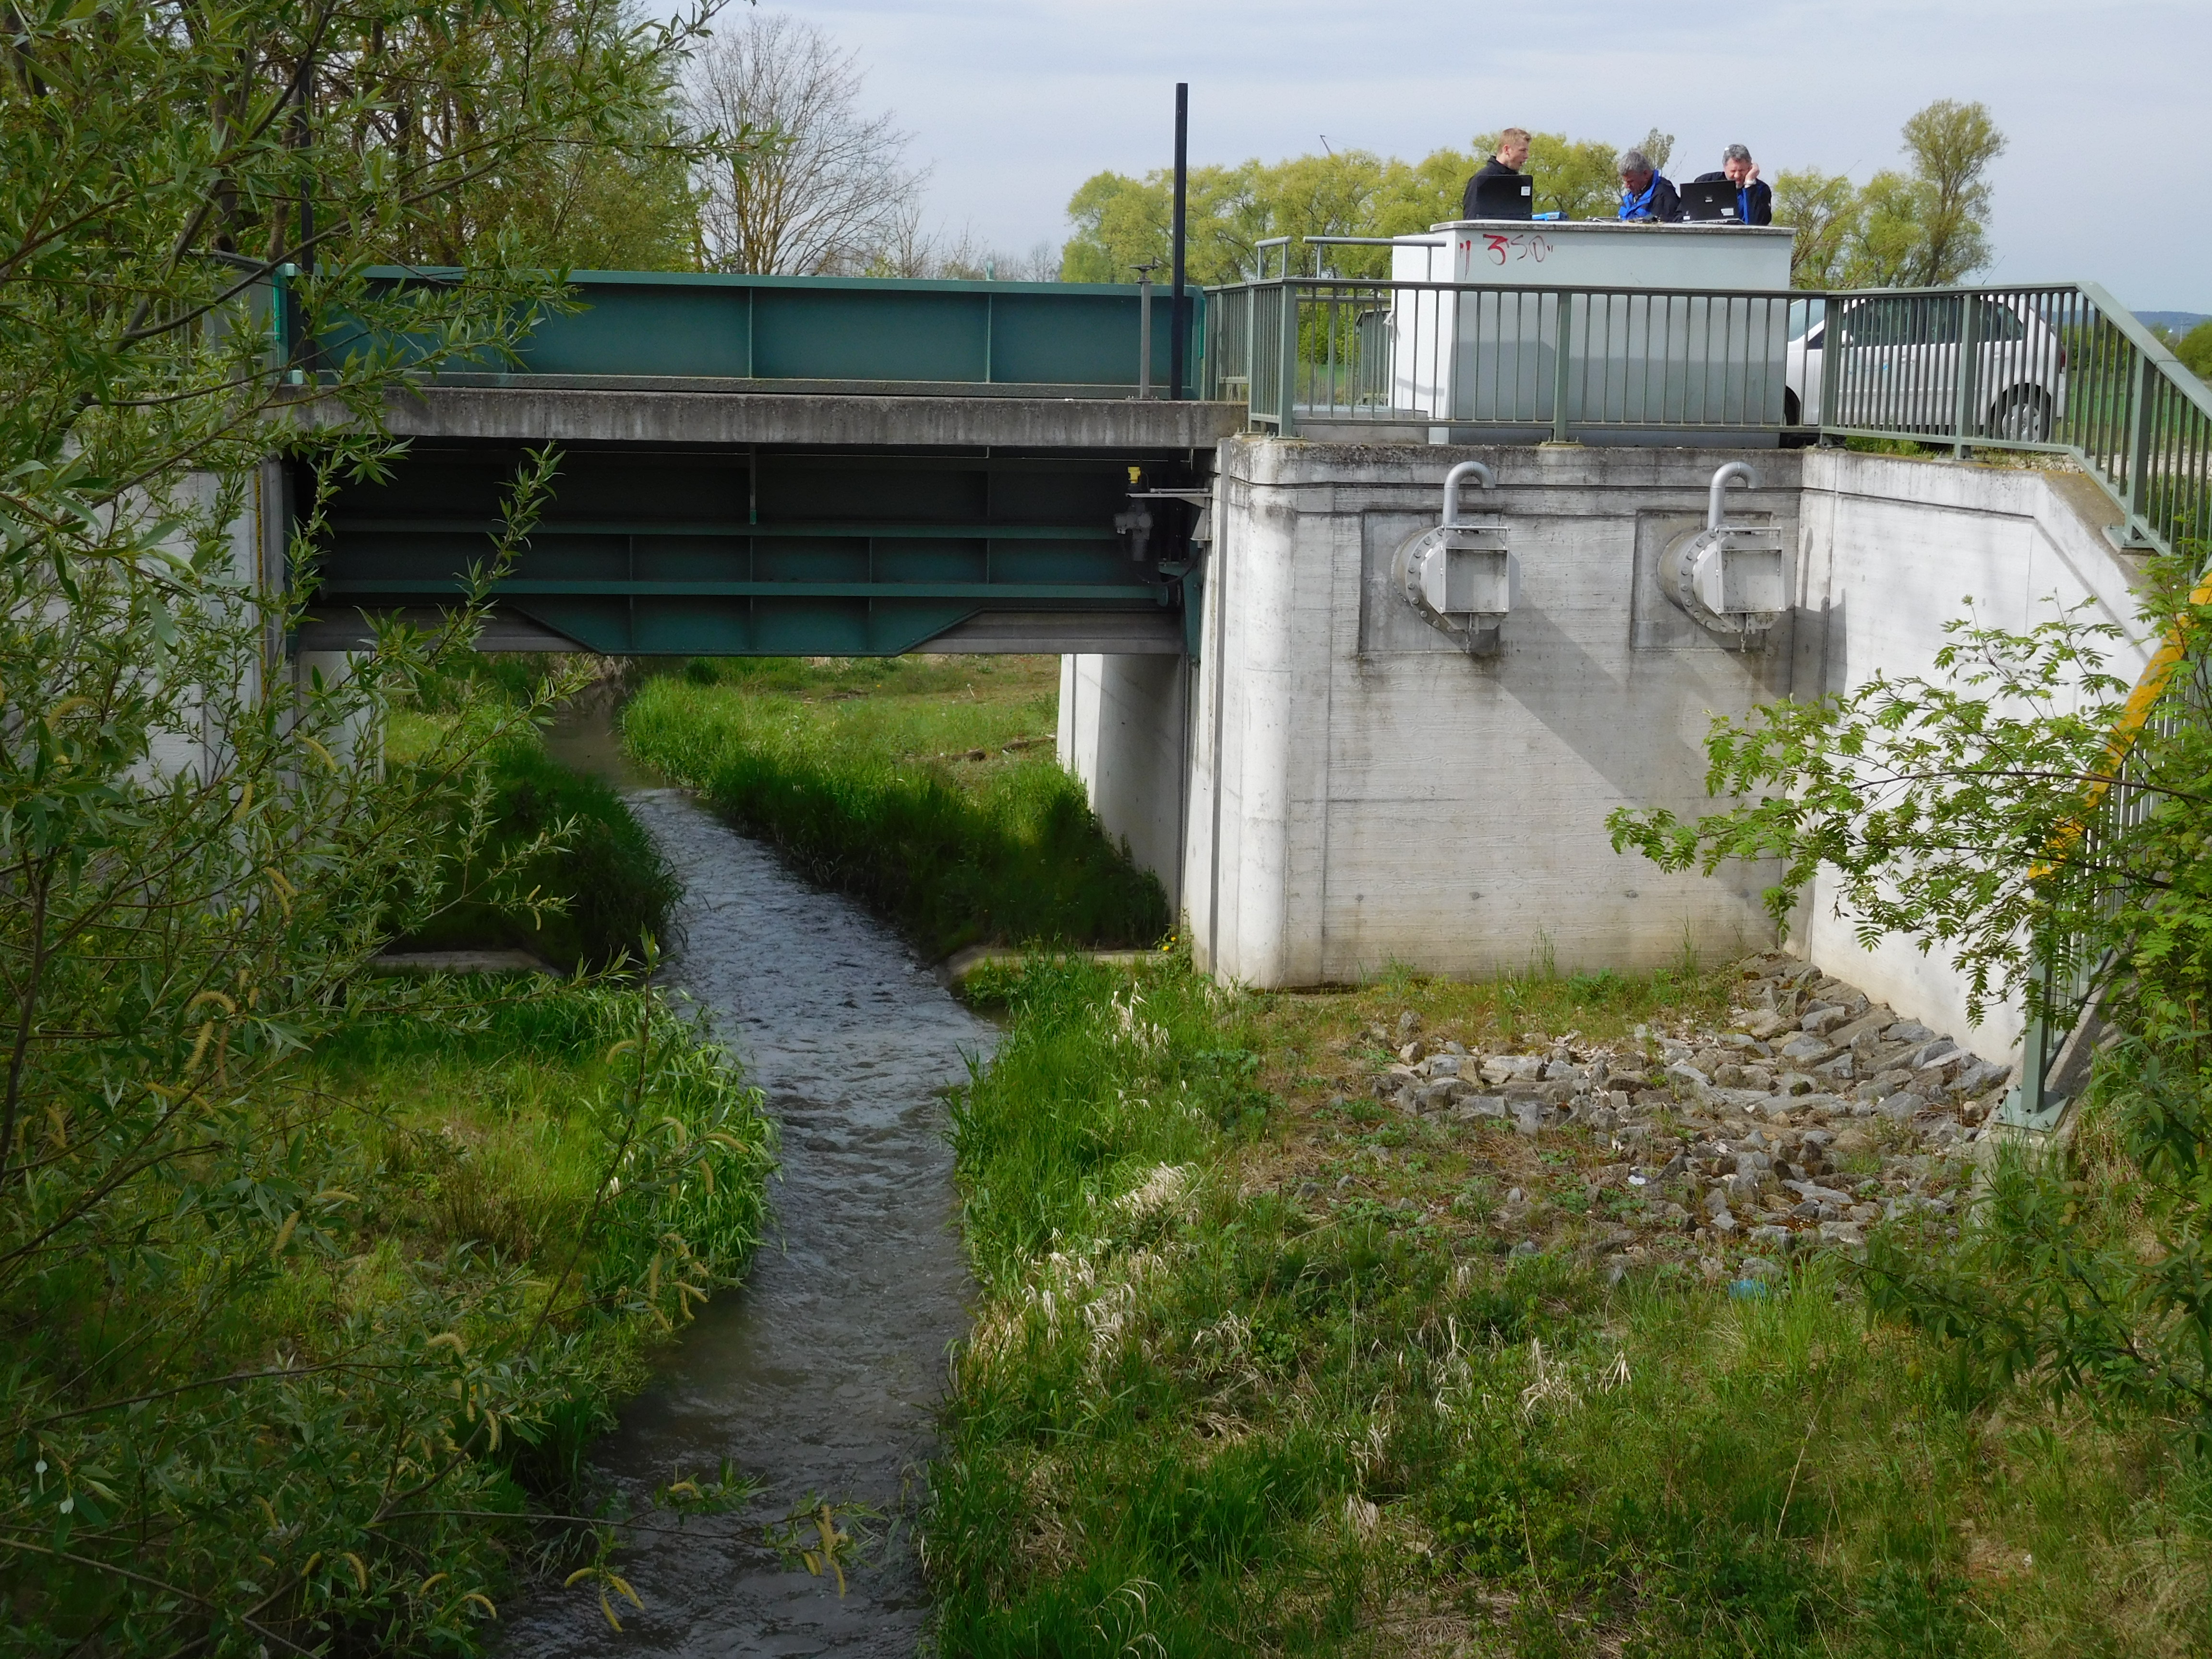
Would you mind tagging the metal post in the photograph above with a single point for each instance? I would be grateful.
(1832, 361)
(2139, 443)
(2024, 1106)
(1144, 330)
(1251, 340)
(1287, 347)
(1964, 403)
(1181, 179)
(300, 137)
(1563, 328)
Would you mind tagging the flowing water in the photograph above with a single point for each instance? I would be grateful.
(817, 1375)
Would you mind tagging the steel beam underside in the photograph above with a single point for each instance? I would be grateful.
(765, 551)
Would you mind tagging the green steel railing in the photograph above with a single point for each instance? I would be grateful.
(648, 329)
(2058, 368)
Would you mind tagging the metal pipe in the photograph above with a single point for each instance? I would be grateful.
(1465, 469)
(1177, 235)
(1714, 513)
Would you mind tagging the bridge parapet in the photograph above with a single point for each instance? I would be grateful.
(662, 331)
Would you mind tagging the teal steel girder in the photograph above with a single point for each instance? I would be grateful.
(1067, 339)
(762, 551)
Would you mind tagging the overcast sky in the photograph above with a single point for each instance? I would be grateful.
(1013, 103)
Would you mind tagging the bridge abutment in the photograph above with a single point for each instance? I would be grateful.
(1361, 791)
(1125, 732)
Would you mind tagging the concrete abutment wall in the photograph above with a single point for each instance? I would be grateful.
(1125, 732)
(1346, 787)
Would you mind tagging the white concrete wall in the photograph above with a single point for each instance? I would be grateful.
(200, 746)
(1124, 725)
(1891, 550)
(1363, 792)
(1358, 791)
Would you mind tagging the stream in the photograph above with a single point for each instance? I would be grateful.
(818, 1375)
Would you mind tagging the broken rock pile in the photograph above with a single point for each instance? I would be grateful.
(1816, 1113)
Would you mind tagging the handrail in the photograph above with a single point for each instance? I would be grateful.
(2154, 349)
(1564, 357)
(1260, 248)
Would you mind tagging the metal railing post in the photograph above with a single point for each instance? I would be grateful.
(1963, 395)
(1250, 350)
(1144, 333)
(1564, 329)
(2138, 499)
(1832, 360)
(2025, 1105)
(1287, 347)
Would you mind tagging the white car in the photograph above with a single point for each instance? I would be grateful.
(1898, 365)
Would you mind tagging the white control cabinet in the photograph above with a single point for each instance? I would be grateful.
(1669, 328)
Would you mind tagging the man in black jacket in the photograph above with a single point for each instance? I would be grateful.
(1754, 201)
(1512, 156)
(1646, 193)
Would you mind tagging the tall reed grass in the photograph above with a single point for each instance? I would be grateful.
(909, 803)
(613, 884)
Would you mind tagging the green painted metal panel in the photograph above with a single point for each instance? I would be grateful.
(681, 325)
(694, 628)
(890, 334)
(634, 329)
(796, 587)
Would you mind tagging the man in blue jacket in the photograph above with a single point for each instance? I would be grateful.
(1644, 191)
(1754, 201)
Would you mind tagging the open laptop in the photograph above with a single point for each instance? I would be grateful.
(1504, 196)
(1706, 200)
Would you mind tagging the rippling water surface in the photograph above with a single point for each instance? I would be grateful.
(819, 1375)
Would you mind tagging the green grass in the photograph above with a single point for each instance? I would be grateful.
(445, 1162)
(1201, 1415)
(925, 786)
(614, 885)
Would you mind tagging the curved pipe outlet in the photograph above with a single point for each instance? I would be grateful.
(1463, 469)
(1714, 510)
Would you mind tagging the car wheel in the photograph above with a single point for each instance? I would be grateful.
(2022, 416)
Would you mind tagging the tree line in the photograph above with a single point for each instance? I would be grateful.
(1924, 223)
(758, 154)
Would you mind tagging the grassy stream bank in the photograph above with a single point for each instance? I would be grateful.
(328, 1382)
(1263, 1366)
(1260, 1369)
(925, 786)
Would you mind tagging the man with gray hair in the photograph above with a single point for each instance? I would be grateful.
(1754, 201)
(1645, 192)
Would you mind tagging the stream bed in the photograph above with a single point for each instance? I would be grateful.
(818, 1376)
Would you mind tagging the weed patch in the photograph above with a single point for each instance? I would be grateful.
(613, 886)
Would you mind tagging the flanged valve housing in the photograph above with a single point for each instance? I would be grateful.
(1729, 578)
(1461, 576)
